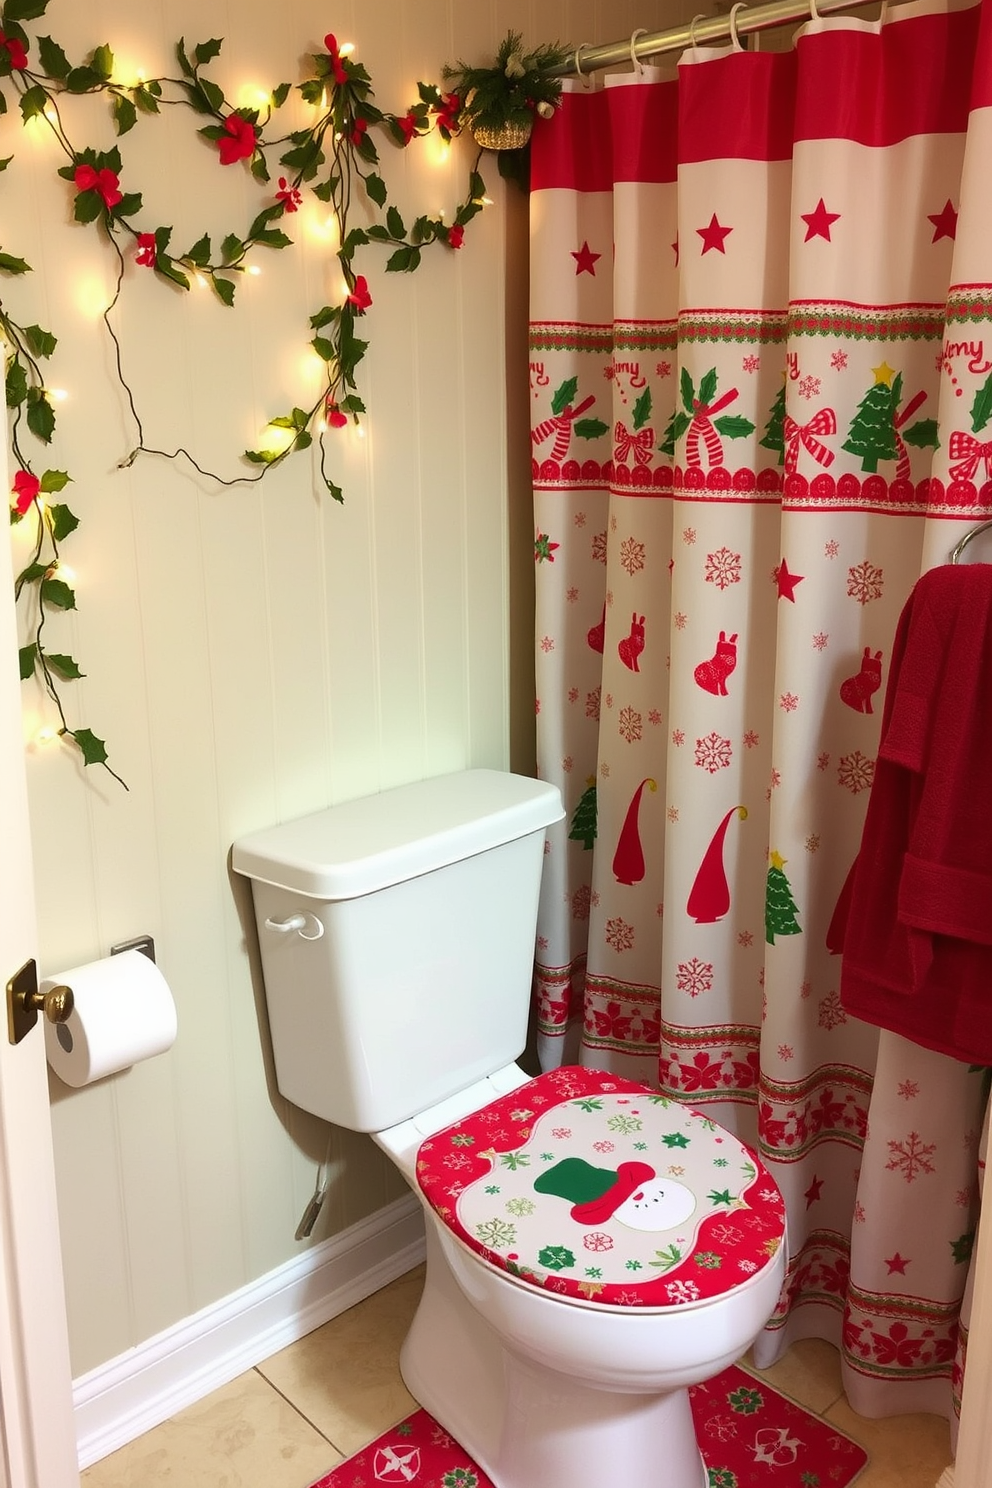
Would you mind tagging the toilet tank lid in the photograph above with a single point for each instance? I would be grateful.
(360, 846)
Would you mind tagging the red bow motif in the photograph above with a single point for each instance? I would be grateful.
(809, 435)
(627, 443)
(969, 451)
(560, 425)
(702, 428)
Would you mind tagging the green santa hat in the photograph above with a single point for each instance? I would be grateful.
(595, 1193)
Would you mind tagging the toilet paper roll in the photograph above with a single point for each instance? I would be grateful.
(123, 1013)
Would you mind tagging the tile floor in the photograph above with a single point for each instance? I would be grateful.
(301, 1412)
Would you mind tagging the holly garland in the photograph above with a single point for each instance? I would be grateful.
(333, 156)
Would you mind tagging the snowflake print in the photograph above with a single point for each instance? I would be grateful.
(672, 813)
(594, 1272)
(823, 761)
(604, 1146)
(775, 780)
(631, 726)
(556, 1257)
(809, 387)
(723, 568)
(805, 990)
(581, 902)
(694, 976)
(663, 369)
(520, 1207)
(750, 363)
(751, 739)
(573, 694)
(619, 934)
(831, 1014)
(747, 1266)
(561, 1132)
(963, 1197)
(864, 582)
(599, 547)
(624, 1125)
(785, 1051)
(511, 1160)
(788, 702)
(547, 644)
(631, 556)
(456, 1160)
(654, 717)
(679, 620)
(908, 1089)
(567, 764)
(813, 842)
(831, 548)
(633, 1266)
(682, 1291)
(820, 641)
(579, 519)
(713, 753)
(911, 1157)
(745, 938)
(838, 360)
(462, 1139)
(592, 703)
(597, 1241)
(678, 738)
(855, 772)
(496, 1232)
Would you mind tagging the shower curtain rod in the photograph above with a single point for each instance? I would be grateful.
(702, 30)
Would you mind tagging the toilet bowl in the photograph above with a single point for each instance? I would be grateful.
(593, 1249)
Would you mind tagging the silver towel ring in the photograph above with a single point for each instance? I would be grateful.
(959, 547)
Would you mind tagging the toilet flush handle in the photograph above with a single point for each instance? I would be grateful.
(300, 923)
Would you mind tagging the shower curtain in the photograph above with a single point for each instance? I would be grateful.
(761, 393)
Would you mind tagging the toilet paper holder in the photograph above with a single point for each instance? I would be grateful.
(25, 1002)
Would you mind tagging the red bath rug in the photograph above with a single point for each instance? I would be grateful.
(744, 1429)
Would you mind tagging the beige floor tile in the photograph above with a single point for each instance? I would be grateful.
(904, 1451)
(244, 1435)
(808, 1372)
(344, 1377)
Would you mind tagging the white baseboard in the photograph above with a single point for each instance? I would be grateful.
(127, 1396)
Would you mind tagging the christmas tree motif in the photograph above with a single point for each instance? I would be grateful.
(628, 860)
(639, 441)
(583, 824)
(780, 907)
(878, 429)
(565, 420)
(964, 449)
(774, 435)
(709, 897)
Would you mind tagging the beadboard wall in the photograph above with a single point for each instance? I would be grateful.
(255, 652)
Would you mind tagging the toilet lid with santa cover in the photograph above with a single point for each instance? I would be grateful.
(596, 1188)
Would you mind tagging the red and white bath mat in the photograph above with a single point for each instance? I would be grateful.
(749, 1435)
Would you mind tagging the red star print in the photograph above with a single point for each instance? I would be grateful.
(713, 235)
(818, 222)
(897, 1263)
(787, 581)
(813, 1192)
(945, 222)
(585, 260)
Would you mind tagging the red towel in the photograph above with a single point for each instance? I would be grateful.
(917, 940)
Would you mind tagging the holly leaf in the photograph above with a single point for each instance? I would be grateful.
(395, 224)
(56, 592)
(33, 102)
(404, 260)
(30, 575)
(125, 114)
(102, 62)
(165, 266)
(923, 434)
(981, 408)
(334, 490)
(6, 159)
(375, 187)
(63, 666)
(145, 97)
(224, 288)
(590, 428)
(707, 387)
(54, 480)
(41, 342)
(273, 238)
(17, 384)
(128, 206)
(63, 521)
(87, 206)
(733, 426)
(93, 750)
(677, 425)
(641, 411)
(279, 95)
(231, 248)
(687, 389)
(11, 265)
(23, 10)
(82, 80)
(41, 415)
(206, 51)
(53, 59)
(27, 656)
(564, 395)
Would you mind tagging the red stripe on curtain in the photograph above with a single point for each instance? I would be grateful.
(644, 124)
(757, 90)
(572, 151)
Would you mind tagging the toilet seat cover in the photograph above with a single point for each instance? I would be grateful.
(597, 1188)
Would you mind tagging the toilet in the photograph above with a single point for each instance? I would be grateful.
(593, 1248)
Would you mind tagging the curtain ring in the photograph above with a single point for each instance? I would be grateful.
(814, 14)
(635, 61)
(578, 62)
(740, 5)
(692, 29)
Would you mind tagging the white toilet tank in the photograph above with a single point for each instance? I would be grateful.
(397, 941)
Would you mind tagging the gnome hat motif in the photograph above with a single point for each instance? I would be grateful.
(628, 860)
(596, 1193)
(709, 897)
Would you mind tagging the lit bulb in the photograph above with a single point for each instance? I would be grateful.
(51, 113)
(201, 280)
(60, 570)
(254, 270)
(486, 201)
(347, 49)
(275, 441)
(57, 395)
(46, 735)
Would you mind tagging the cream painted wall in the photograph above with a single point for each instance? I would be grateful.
(257, 652)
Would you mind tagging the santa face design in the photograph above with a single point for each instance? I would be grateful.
(659, 1204)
